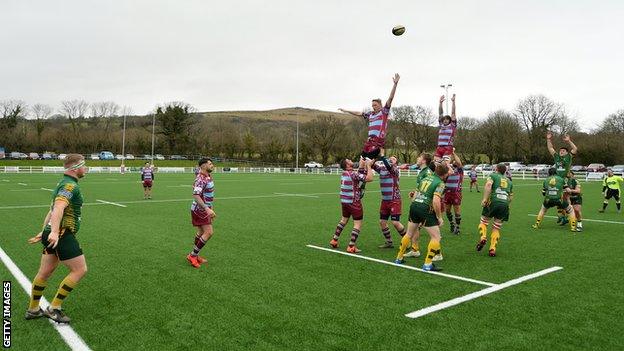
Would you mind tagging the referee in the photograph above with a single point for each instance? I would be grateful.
(611, 189)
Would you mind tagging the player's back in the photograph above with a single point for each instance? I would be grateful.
(430, 186)
(553, 187)
(502, 188)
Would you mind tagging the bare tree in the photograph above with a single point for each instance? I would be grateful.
(41, 112)
(614, 123)
(499, 137)
(414, 129)
(537, 114)
(322, 134)
(469, 146)
(73, 110)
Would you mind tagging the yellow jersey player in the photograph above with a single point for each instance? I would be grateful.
(611, 189)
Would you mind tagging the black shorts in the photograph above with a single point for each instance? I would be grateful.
(67, 247)
(613, 193)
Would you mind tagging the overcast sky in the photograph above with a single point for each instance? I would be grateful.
(255, 55)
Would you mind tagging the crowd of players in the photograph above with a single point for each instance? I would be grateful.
(438, 189)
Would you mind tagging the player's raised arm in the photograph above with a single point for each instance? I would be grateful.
(395, 80)
(573, 148)
(458, 161)
(355, 113)
(369, 171)
(441, 109)
(549, 144)
(453, 116)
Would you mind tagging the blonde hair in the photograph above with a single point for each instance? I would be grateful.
(72, 160)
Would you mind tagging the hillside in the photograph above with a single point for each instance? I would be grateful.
(283, 114)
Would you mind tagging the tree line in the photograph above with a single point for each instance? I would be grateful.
(516, 135)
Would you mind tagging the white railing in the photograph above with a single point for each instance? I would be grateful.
(587, 176)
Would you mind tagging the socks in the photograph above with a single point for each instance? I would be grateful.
(354, 235)
(405, 241)
(483, 228)
(37, 290)
(198, 246)
(65, 288)
(457, 219)
(449, 216)
(618, 204)
(604, 205)
(432, 250)
(415, 246)
(339, 229)
(572, 220)
(197, 236)
(495, 235)
(402, 232)
(538, 221)
(386, 234)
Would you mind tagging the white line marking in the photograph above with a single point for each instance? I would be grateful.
(297, 195)
(47, 189)
(476, 294)
(5, 180)
(110, 203)
(20, 190)
(73, 340)
(179, 186)
(23, 184)
(585, 219)
(404, 266)
(295, 183)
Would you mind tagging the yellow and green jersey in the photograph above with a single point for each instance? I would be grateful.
(502, 188)
(429, 187)
(563, 163)
(613, 182)
(553, 187)
(573, 183)
(68, 191)
(424, 172)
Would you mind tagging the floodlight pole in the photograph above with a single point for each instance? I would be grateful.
(123, 140)
(153, 129)
(446, 89)
(297, 147)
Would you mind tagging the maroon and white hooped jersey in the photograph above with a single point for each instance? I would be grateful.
(203, 186)
(350, 191)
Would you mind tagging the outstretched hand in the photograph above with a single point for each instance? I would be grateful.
(549, 135)
(396, 78)
(35, 239)
(566, 138)
(442, 99)
(453, 98)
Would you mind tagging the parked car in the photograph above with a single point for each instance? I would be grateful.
(47, 156)
(146, 157)
(177, 157)
(18, 155)
(62, 156)
(516, 166)
(119, 157)
(468, 166)
(313, 164)
(94, 157)
(618, 169)
(129, 157)
(596, 167)
(483, 167)
(33, 156)
(539, 167)
(335, 165)
(106, 155)
(159, 157)
(578, 168)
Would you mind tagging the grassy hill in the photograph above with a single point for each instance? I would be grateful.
(282, 114)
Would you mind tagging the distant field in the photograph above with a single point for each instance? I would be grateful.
(117, 163)
(264, 289)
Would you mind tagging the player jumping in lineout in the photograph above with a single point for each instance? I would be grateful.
(446, 133)
(563, 161)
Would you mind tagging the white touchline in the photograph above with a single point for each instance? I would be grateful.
(110, 203)
(480, 282)
(585, 219)
(23, 184)
(476, 294)
(5, 180)
(47, 189)
(73, 340)
(297, 195)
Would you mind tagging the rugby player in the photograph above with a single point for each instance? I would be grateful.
(563, 162)
(58, 237)
(453, 193)
(576, 199)
(202, 210)
(446, 133)
(611, 189)
(553, 189)
(497, 195)
(147, 178)
(390, 198)
(473, 178)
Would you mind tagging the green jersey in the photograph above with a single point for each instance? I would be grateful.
(572, 184)
(502, 188)
(424, 172)
(563, 163)
(68, 191)
(429, 186)
(553, 188)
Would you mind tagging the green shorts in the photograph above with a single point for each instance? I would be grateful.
(576, 200)
(67, 247)
(422, 214)
(496, 210)
(560, 204)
